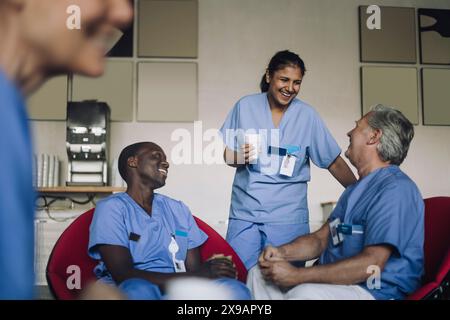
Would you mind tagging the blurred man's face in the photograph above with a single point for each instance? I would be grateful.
(60, 49)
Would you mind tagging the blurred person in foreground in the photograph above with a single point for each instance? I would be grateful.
(36, 44)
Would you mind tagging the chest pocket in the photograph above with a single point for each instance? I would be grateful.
(353, 244)
(301, 158)
(181, 237)
(144, 244)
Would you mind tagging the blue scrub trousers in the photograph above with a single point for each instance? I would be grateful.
(248, 239)
(140, 289)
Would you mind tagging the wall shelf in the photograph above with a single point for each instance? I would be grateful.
(81, 189)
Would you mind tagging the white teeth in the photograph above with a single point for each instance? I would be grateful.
(285, 94)
(164, 172)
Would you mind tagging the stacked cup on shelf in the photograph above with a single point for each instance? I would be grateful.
(45, 170)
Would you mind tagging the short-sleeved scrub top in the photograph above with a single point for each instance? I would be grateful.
(119, 220)
(17, 196)
(384, 208)
(260, 193)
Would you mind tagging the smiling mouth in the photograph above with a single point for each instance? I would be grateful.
(285, 94)
(163, 172)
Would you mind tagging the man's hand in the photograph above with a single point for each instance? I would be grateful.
(271, 254)
(281, 273)
(218, 268)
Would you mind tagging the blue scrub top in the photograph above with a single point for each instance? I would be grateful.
(390, 210)
(260, 194)
(16, 196)
(119, 220)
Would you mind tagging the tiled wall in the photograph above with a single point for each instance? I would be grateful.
(156, 82)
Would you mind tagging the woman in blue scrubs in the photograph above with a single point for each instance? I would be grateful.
(269, 194)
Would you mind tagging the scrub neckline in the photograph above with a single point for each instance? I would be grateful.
(134, 203)
(388, 167)
(161, 216)
(375, 172)
(269, 113)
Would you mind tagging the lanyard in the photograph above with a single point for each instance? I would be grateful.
(165, 214)
(173, 248)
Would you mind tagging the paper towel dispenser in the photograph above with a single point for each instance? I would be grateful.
(87, 142)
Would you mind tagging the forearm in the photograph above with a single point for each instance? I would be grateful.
(302, 249)
(345, 272)
(340, 170)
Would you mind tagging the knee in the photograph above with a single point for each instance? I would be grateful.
(140, 289)
(238, 290)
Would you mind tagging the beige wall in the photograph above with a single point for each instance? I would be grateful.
(236, 40)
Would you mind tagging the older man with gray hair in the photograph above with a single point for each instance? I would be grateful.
(372, 245)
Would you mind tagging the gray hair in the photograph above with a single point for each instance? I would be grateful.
(397, 133)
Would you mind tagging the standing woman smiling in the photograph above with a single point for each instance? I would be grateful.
(269, 194)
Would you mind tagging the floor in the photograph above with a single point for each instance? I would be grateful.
(43, 293)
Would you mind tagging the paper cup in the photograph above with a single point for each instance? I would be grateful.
(253, 139)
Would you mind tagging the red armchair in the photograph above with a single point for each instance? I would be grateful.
(71, 250)
(436, 280)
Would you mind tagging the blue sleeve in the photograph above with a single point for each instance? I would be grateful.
(108, 226)
(196, 237)
(324, 148)
(338, 211)
(17, 198)
(341, 205)
(389, 218)
(230, 128)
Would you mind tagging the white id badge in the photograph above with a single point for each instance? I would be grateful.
(173, 249)
(178, 265)
(336, 236)
(288, 165)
